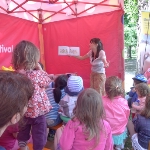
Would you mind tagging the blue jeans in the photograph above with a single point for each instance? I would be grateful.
(55, 122)
(2, 148)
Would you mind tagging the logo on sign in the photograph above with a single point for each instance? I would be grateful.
(4, 49)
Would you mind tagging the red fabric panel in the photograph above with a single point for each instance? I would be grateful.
(13, 30)
(78, 32)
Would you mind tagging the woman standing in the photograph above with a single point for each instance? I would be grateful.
(99, 63)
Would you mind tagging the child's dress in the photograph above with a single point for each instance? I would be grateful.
(117, 114)
(73, 138)
(38, 106)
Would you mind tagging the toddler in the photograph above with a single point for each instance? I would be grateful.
(9, 138)
(87, 130)
(67, 103)
(142, 90)
(25, 60)
(54, 95)
(117, 110)
(132, 94)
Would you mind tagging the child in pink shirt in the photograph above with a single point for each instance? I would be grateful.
(87, 129)
(9, 138)
(117, 110)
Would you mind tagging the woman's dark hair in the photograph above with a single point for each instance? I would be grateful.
(99, 46)
(60, 83)
(15, 91)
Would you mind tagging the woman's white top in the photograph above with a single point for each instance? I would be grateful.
(97, 64)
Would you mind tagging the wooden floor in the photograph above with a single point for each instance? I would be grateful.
(50, 144)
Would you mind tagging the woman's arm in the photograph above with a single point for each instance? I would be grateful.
(106, 64)
(82, 57)
(103, 58)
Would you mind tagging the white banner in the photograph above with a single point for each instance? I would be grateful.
(69, 51)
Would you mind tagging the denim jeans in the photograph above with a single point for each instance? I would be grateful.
(2, 148)
(55, 122)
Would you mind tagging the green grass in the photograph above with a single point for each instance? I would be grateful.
(128, 144)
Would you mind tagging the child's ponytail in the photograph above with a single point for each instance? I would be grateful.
(57, 94)
(60, 83)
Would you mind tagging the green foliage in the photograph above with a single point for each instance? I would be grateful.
(130, 23)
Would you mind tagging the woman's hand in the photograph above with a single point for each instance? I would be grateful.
(106, 64)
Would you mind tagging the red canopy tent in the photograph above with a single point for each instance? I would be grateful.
(52, 23)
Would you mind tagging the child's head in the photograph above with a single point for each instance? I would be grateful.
(74, 85)
(15, 91)
(113, 87)
(60, 83)
(89, 111)
(139, 79)
(25, 56)
(142, 89)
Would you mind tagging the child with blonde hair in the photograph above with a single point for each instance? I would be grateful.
(142, 90)
(87, 129)
(117, 110)
(25, 60)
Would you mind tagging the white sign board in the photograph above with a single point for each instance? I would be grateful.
(69, 51)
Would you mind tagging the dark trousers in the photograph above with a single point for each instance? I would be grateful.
(37, 127)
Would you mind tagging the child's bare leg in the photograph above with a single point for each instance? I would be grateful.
(57, 137)
(130, 127)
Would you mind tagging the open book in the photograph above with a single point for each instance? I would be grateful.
(71, 51)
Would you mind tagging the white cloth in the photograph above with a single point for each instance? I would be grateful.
(67, 104)
(97, 64)
(135, 143)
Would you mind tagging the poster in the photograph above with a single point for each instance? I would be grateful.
(144, 43)
(69, 51)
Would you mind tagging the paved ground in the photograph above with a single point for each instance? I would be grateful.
(130, 71)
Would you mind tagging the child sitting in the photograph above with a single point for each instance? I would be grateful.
(87, 130)
(67, 103)
(139, 128)
(9, 138)
(54, 95)
(142, 90)
(132, 94)
(117, 110)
